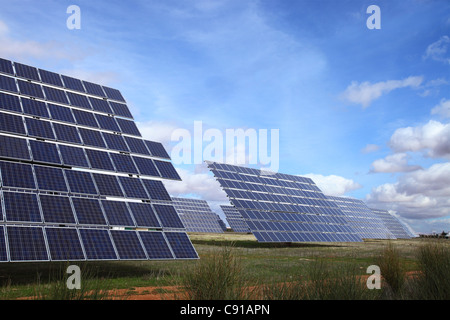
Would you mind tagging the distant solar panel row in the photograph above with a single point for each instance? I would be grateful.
(393, 224)
(235, 220)
(280, 207)
(32, 243)
(55, 79)
(196, 215)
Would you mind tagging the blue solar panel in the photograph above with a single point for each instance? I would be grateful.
(168, 216)
(167, 170)
(107, 122)
(73, 156)
(128, 245)
(64, 244)
(156, 190)
(17, 175)
(93, 88)
(44, 152)
(108, 185)
(97, 244)
(137, 145)
(55, 95)
(99, 160)
(14, 148)
(3, 251)
(121, 110)
(72, 83)
(133, 188)
(117, 213)
(85, 118)
(124, 163)
(92, 138)
(79, 100)
(80, 182)
(56, 209)
(30, 89)
(157, 149)
(155, 245)
(35, 108)
(128, 126)
(6, 66)
(10, 102)
(146, 166)
(66, 133)
(11, 123)
(39, 128)
(50, 179)
(115, 142)
(100, 105)
(26, 244)
(61, 113)
(21, 207)
(144, 215)
(181, 245)
(8, 84)
(50, 78)
(113, 94)
(27, 72)
(88, 211)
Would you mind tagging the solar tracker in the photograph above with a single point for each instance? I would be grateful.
(196, 215)
(365, 222)
(76, 176)
(235, 220)
(281, 207)
(392, 223)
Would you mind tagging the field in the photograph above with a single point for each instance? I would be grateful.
(242, 268)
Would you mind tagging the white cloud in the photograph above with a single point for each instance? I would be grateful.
(333, 185)
(420, 194)
(433, 136)
(157, 131)
(393, 163)
(439, 50)
(442, 109)
(366, 92)
(370, 148)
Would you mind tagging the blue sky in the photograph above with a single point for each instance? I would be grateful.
(364, 112)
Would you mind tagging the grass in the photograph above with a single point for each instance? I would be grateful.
(235, 266)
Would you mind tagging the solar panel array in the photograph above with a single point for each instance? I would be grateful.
(393, 224)
(282, 208)
(77, 179)
(197, 216)
(363, 220)
(235, 220)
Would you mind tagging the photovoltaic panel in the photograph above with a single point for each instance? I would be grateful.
(6, 66)
(50, 179)
(92, 138)
(99, 160)
(17, 175)
(50, 78)
(155, 245)
(3, 250)
(196, 215)
(128, 126)
(85, 118)
(123, 163)
(167, 170)
(117, 213)
(72, 83)
(8, 84)
(21, 207)
(168, 216)
(156, 190)
(97, 244)
(392, 223)
(44, 152)
(93, 88)
(137, 145)
(79, 100)
(181, 245)
(35, 108)
(121, 110)
(282, 208)
(11, 123)
(10, 102)
(80, 182)
(157, 149)
(235, 220)
(30, 89)
(144, 215)
(107, 123)
(88, 211)
(26, 243)
(39, 128)
(64, 244)
(14, 148)
(56, 209)
(113, 94)
(61, 113)
(100, 105)
(108, 185)
(55, 95)
(133, 188)
(128, 245)
(27, 72)
(115, 142)
(67, 133)
(73, 156)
